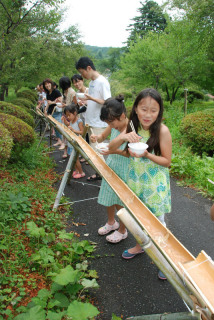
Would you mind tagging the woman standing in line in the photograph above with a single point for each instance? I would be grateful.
(53, 96)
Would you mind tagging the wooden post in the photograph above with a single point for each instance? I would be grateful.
(185, 101)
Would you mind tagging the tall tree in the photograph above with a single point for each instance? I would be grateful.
(166, 61)
(30, 39)
(151, 18)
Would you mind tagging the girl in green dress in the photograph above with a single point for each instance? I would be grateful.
(148, 174)
(113, 113)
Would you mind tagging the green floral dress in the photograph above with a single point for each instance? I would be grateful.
(150, 181)
(107, 197)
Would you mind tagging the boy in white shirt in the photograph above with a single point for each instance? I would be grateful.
(99, 91)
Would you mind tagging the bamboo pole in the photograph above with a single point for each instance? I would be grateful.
(68, 169)
(168, 316)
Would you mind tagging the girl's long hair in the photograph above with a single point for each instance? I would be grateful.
(154, 140)
(64, 83)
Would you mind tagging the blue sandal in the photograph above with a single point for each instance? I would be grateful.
(161, 276)
(127, 255)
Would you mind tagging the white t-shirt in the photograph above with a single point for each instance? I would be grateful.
(100, 89)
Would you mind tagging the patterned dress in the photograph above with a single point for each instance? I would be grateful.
(150, 182)
(107, 197)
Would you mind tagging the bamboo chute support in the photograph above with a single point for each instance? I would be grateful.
(192, 278)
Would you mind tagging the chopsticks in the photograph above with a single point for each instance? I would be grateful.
(132, 126)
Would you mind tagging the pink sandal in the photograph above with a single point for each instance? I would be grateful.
(79, 175)
(116, 236)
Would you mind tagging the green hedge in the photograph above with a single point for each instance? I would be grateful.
(197, 131)
(27, 95)
(6, 144)
(23, 102)
(23, 135)
(193, 94)
(16, 111)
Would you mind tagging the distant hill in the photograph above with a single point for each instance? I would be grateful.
(98, 52)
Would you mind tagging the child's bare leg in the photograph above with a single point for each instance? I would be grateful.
(111, 214)
(122, 228)
(135, 249)
(79, 167)
(65, 154)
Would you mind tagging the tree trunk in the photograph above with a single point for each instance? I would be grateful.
(167, 92)
(2, 91)
(174, 92)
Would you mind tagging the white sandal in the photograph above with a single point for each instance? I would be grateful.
(108, 228)
(116, 236)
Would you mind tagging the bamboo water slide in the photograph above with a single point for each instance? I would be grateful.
(197, 274)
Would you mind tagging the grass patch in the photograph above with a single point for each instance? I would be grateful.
(189, 168)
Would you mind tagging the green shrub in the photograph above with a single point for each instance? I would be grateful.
(32, 92)
(6, 144)
(16, 111)
(23, 102)
(27, 95)
(23, 135)
(193, 94)
(197, 131)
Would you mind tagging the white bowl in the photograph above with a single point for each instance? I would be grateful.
(103, 146)
(58, 104)
(138, 147)
(80, 95)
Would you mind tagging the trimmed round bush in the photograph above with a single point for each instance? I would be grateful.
(193, 94)
(27, 95)
(197, 131)
(23, 102)
(16, 111)
(23, 135)
(32, 92)
(6, 144)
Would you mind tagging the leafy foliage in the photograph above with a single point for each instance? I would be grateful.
(27, 95)
(151, 18)
(18, 112)
(197, 131)
(6, 144)
(44, 271)
(31, 43)
(23, 135)
(24, 103)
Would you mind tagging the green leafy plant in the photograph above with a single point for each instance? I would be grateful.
(197, 131)
(18, 112)
(6, 144)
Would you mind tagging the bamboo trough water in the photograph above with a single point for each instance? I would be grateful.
(193, 278)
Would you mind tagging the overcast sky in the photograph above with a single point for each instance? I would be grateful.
(102, 23)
